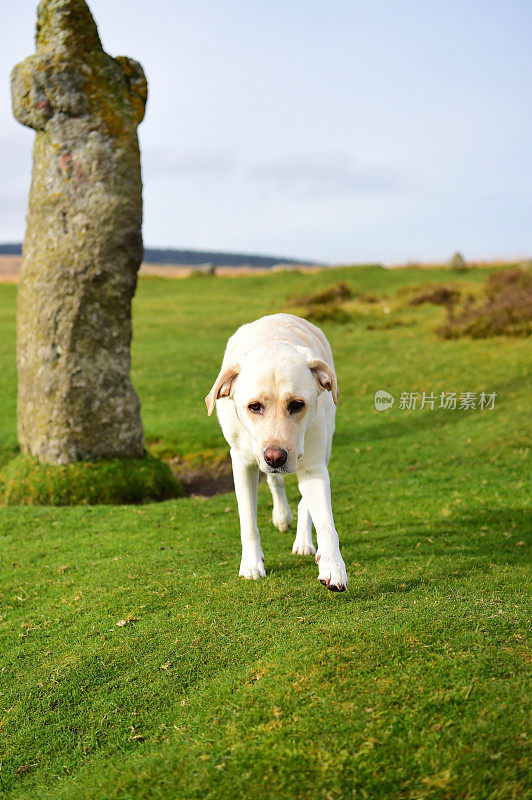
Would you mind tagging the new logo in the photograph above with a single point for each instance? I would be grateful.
(383, 400)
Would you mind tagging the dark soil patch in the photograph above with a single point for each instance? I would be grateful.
(204, 479)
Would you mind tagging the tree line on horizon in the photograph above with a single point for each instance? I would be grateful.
(162, 255)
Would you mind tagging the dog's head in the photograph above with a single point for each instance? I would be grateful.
(275, 390)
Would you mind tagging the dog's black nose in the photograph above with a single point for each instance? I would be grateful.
(275, 456)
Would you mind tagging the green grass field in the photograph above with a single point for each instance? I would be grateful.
(412, 684)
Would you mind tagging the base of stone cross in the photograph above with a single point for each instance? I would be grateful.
(25, 481)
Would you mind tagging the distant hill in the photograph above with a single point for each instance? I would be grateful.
(159, 255)
(10, 249)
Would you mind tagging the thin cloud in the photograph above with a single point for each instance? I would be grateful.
(193, 163)
(325, 175)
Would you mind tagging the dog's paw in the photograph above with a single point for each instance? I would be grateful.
(252, 566)
(303, 548)
(282, 518)
(332, 572)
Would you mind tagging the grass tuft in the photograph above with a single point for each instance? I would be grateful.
(25, 481)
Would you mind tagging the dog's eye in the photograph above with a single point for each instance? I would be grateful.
(256, 408)
(294, 406)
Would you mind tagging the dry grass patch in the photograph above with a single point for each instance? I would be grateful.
(439, 296)
(505, 309)
(324, 305)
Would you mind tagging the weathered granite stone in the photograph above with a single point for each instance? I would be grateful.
(83, 243)
(458, 263)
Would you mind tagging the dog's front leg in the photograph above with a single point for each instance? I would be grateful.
(315, 488)
(282, 516)
(246, 477)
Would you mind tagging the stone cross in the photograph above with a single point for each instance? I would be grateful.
(83, 242)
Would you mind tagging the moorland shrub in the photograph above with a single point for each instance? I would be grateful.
(504, 310)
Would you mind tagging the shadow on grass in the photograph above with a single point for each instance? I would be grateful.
(470, 533)
(369, 431)
(479, 541)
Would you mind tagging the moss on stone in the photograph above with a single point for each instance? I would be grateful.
(68, 23)
(83, 243)
(25, 481)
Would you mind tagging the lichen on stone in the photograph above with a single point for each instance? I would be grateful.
(83, 242)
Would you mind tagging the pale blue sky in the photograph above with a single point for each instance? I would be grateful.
(335, 130)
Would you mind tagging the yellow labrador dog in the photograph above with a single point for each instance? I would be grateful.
(276, 398)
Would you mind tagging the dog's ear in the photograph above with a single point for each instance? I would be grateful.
(325, 378)
(323, 373)
(222, 387)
